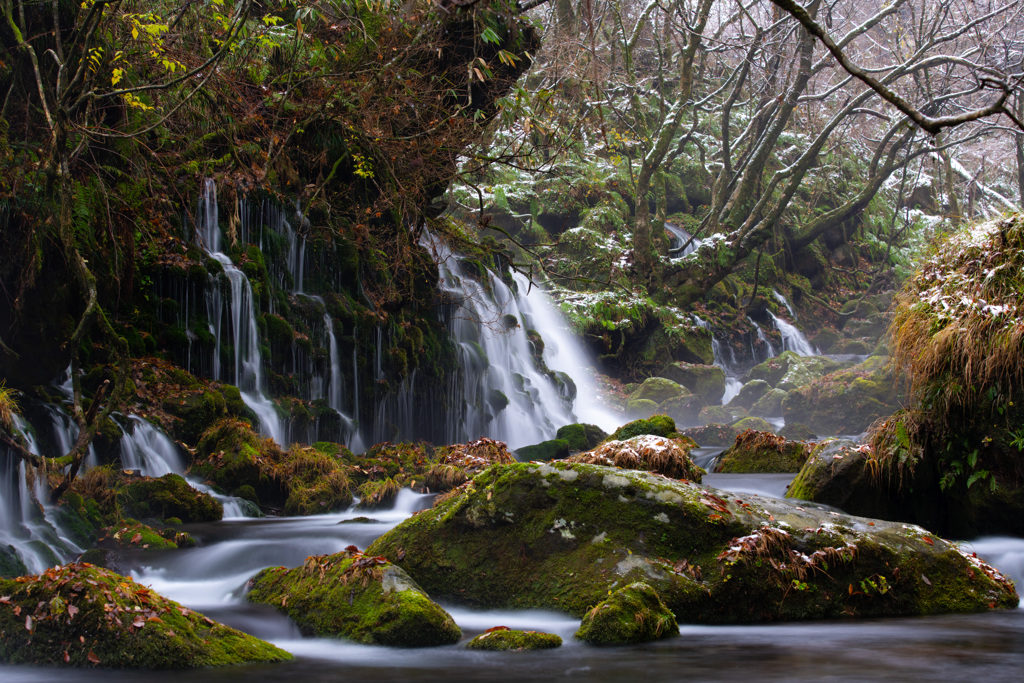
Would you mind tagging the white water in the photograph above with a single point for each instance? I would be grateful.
(732, 382)
(681, 243)
(792, 338)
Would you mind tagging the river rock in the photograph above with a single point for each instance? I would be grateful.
(788, 371)
(712, 435)
(641, 408)
(714, 415)
(581, 436)
(668, 457)
(360, 597)
(758, 424)
(658, 425)
(749, 393)
(658, 389)
(706, 381)
(759, 451)
(505, 639)
(683, 409)
(769, 405)
(80, 615)
(632, 614)
(167, 496)
(553, 449)
(562, 535)
(846, 401)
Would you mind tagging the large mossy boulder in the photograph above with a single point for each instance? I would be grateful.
(749, 393)
(562, 535)
(658, 390)
(80, 615)
(846, 401)
(838, 472)
(706, 381)
(683, 409)
(668, 457)
(759, 451)
(712, 435)
(503, 639)
(789, 371)
(360, 597)
(657, 425)
(580, 436)
(553, 449)
(769, 405)
(165, 497)
(632, 614)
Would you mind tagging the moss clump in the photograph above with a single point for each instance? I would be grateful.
(317, 482)
(658, 425)
(756, 451)
(555, 449)
(167, 496)
(580, 436)
(133, 534)
(80, 615)
(505, 639)
(350, 595)
(632, 614)
(379, 493)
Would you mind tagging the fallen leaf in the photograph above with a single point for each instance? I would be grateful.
(497, 628)
(925, 579)
(28, 623)
(92, 657)
(67, 657)
(136, 538)
(72, 611)
(928, 540)
(139, 622)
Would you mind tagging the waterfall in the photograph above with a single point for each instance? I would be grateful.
(785, 302)
(792, 338)
(240, 316)
(730, 366)
(681, 242)
(767, 343)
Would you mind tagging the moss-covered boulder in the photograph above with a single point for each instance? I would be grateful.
(837, 473)
(502, 638)
(580, 436)
(714, 415)
(658, 425)
(657, 389)
(167, 496)
(562, 535)
(769, 405)
(81, 615)
(683, 409)
(712, 435)
(749, 393)
(758, 424)
(789, 371)
(134, 535)
(706, 381)
(554, 449)
(11, 564)
(756, 451)
(360, 597)
(632, 614)
(317, 481)
(846, 401)
(668, 457)
(794, 431)
(641, 408)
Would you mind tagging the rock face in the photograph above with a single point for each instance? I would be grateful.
(756, 451)
(356, 596)
(80, 615)
(846, 401)
(632, 614)
(561, 536)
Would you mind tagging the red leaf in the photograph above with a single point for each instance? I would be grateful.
(67, 657)
(928, 540)
(351, 549)
(136, 538)
(498, 628)
(92, 657)
(209, 621)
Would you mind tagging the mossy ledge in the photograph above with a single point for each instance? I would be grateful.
(81, 615)
(561, 536)
(361, 597)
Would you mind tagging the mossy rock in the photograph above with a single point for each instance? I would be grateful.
(683, 409)
(11, 564)
(580, 436)
(853, 347)
(789, 371)
(763, 452)
(379, 493)
(659, 454)
(355, 596)
(758, 424)
(555, 449)
(82, 616)
(196, 412)
(231, 455)
(712, 435)
(657, 389)
(505, 639)
(562, 535)
(168, 496)
(794, 431)
(632, 614)
(658, 425)
(714, 415)
(641, 408)
(845, 401)
(133, 534)
(749, 393)
(706, 381)
(769, 405)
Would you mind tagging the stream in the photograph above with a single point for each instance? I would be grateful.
(211, 578)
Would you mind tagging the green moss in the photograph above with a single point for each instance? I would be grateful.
(555, 449)
(760, 451)
(581, 437)
(659, 425)
(374, 494)
(758, 424)
(10, 564)
(504, 639)
(657, 389)
(167, 496)
(632, 614)
(356, 596)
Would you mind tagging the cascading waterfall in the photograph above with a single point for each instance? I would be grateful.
(730, 365)
(758, 356)
(792, 338)
(681, 242)
(240, 317)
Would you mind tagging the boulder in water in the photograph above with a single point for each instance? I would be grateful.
(706, 381)
(631, 614)
(505, 639)
(749, 393)
(668, 457)
(658, 389)
(580, 436)
(167, 496)
(562, 535)
(554, 449)
(81, 615)
(759, 451)
(356, 596)
(641, 408)
(758, 424)
(789, 371)
(658, 425)
(712, 435)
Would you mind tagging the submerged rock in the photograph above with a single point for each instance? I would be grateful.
(562, 535)
(502, 638)
(759, 451)
(80, 615)
(361, 597)
(632, 614)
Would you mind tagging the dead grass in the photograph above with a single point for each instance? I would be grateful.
(670, 457)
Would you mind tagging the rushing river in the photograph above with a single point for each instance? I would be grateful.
(211, 578)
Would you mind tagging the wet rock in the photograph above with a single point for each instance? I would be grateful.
(684, 409)
(641, 408)
(562, 535)
(632, 614)
(505, 639)
(658, 425)
(846, 401)
(759, 451)
(555, 449)
(657, 389)
(758, 424)
(706, 381)
(794, 431)
(749, 393)
(10, 564)
(788, 371)
(82, 616)
(712, 435)
(167, 496)
(360, 597)
(769, 405)
(581, 437)
(714, 415)
(668, 457)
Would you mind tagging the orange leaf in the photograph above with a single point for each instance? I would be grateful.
(928, 540)
(92, 657)
(497, 628)
(136, 538)
(67, 657)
